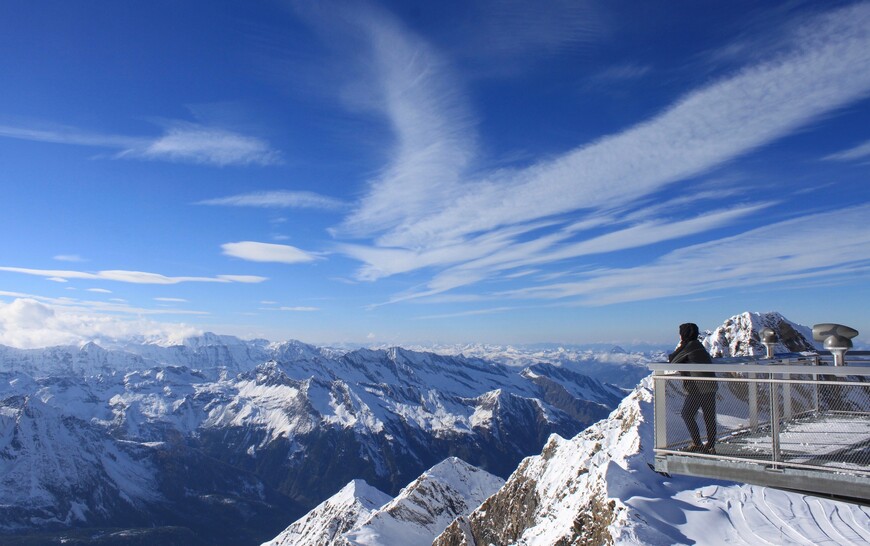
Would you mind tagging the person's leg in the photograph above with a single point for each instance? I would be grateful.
(690, 408)
(708, 406)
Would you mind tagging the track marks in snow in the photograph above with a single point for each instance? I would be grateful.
(787, 516)
(760, 515)
(856, 520)
(740, 517)
(832, 524)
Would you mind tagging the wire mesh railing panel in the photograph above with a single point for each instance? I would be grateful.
(799, 420)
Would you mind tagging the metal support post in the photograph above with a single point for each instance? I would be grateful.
(753, 403)
(774, 427)
(660, 384)
(786, 399)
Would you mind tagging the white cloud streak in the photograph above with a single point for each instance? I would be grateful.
(193, 143)
(69, 258)
(69, 135)
(267, 252)
(181, 142)
(134, 277)
(278, 199)
(861, 151)
(114, 305)
(471, 313)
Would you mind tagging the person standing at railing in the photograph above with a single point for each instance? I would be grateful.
(700, 394)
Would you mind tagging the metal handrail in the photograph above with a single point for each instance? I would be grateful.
(754, 367)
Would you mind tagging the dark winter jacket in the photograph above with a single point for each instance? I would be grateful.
(692, 351)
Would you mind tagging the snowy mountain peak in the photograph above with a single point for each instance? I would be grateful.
(468, 480)
(424, 508)
(739, 336)
(359, 490)
(327, 523)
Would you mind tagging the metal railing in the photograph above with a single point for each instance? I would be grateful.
(799, 412)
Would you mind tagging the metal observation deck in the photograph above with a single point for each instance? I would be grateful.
(797, 423)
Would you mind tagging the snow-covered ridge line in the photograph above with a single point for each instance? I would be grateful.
(418, 514)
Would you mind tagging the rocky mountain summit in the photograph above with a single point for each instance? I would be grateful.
(739, 336)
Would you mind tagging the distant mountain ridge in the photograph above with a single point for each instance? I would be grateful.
(229, 437)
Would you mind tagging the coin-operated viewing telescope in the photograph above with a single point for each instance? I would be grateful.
(768, 339)
(836, 338)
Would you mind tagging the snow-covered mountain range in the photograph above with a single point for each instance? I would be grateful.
(233, 438)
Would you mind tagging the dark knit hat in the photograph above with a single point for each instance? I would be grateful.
(688, 331)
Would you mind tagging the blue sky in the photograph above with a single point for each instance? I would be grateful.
(488, 171)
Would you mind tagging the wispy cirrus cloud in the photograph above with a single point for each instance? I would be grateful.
(69, 135)
(113, 306)
(134, 277)
(180, 142)
(859, 152)
(474, 312)
(194, 143)
(69, 258)
(434, 134)
(810, 247)
(621, 73)
(267, 252)
(278, 199)
(432, 210)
